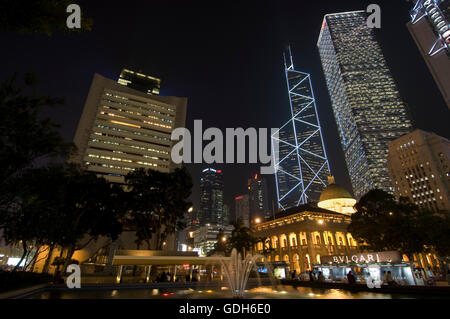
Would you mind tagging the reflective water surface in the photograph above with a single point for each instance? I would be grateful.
(285, 292)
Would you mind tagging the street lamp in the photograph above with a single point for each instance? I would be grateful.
(191, 209)
(320, 221)
(224, 238)
(257, 220)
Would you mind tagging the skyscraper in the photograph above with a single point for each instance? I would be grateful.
(367, 106)
(301, 168)
(419, 164)
(259, 205)
(122, 129)
(242, 211)
(430, 29)
(211, 197)
(140, 82)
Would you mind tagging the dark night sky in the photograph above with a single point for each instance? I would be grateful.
(226, 57)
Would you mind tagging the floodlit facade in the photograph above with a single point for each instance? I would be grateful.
(211, 197)
(419, 166)
(302, 235)
(430, 29)
(367, 106)
(122, 129)
(301, 166)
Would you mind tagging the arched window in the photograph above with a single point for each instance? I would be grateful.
(277, 258)
(318, 242)
(307, 262)
(318, 258)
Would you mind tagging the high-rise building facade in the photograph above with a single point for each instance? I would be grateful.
(242, 210)
(419, 165)
(259, 204)
(211, 197)
(430, 29)
(367, 106)
(122, 129)
(301, 166)
(140, 82)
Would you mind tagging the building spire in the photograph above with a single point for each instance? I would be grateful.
(331, 179)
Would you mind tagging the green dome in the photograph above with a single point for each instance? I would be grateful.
(334, 191)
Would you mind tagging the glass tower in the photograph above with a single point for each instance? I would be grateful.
(367, 106)
(259, 204)
(301, 166)
(211, 197)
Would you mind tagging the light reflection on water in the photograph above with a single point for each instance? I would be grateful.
(285, 292)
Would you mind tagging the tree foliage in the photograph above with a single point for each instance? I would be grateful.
(382, 223)
(38, 16)
(241, 238)
(25, 137)
(157, 203)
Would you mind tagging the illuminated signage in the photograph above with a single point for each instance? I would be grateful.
(360, 258)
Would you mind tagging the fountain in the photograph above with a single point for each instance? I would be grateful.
(237, 271)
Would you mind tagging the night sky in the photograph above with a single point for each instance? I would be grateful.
(226, 57)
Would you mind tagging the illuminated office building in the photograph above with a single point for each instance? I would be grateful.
(140, 82)
(367, 106)
(419, 166)
(211, 197)
(122, 129)
(259, 204)
(242, 209)
(430, 29)
(301, 166)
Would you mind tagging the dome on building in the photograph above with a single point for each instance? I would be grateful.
(333, 191)
(336, 198)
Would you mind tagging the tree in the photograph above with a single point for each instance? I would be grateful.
(241, 238)
(382, 223)
(25, 138)
(74, 208)
(91, 207)
(157, 203)
(266, 245)
(38, 16)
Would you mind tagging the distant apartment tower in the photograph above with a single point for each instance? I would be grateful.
(226, 215)
(206, 237)
(258, 201)
(301, 167)
(122, 129)
(419, 167)
(211, 197)
(140, 82)
(242, 210)
(430, 29)
(367, 106)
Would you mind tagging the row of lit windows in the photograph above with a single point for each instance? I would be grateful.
(122, 160)
(137, 119)
(143, 102)
(132, 132)
(128, 145)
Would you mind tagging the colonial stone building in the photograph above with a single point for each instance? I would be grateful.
(300, 236)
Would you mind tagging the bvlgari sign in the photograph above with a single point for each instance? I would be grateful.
(376, 257)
